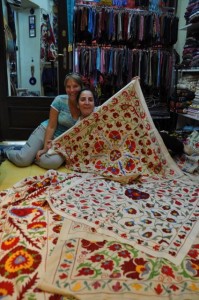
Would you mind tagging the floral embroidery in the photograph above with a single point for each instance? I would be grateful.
(19, 260)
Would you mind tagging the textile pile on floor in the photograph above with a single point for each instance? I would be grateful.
(122, 224)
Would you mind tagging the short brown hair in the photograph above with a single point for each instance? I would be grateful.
(74, 76)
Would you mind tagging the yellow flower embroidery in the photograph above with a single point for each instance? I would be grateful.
(194, 287)
(69, 256)
(137, 286)
(77, 286)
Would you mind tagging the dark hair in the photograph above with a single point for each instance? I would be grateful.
(84, 89)
(74, 76)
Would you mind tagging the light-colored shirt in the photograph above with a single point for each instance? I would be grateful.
(65, 120)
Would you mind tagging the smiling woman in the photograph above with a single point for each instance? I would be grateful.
(85, 102)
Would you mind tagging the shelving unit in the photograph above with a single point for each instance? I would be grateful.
(189, 69)
(191, 26)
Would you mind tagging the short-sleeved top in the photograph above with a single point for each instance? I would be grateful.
(65, 120)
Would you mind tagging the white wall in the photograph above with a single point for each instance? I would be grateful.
(29, 47)
(182, 5)
(28, 50)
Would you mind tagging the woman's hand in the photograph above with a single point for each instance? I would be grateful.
(49, 144)
(40, 153)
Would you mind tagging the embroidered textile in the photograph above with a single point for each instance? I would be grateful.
(118, 141)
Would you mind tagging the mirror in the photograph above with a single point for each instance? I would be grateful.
(31, 47)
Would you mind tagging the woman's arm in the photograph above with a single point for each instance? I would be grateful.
(52, 125)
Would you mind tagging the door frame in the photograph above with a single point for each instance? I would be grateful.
(19, 116)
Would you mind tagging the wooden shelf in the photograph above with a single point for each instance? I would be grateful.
(190, 116)
(192, 70)
(191, 26)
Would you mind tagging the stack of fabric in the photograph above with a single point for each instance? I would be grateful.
(185, 94)
(193, 109)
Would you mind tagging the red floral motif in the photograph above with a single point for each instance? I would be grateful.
(115, 155)
(117, 287)
(57, 228)
(130, 165)
(96, 116)
(149, 152)
(57, 218)
(96, 258)
(20, 261)
(127, 115)
(128, 127)
(96, 285)
(99, 146)
(86, 145)
(115, 247)
(158, 289)
(115, 101)
(118, 124)
(86, 122)
(63, 276)
(124, 254)
(107, 265)
(68, 151)
(99, 165)
(9, 243)
(115, 274)
(115, 135)
(105, 108)
(69, 245)
(85, 272)
(113, 170)
(167, 271)
(37, 225)
(6, 289)
(134, 268)
(131, 145)
(25, 212)
(131, 211)
(174, 287)
(115, 115)
(76, 129)
(78, 138)
(125, 106)
(193, 253)
(129, 223)
(92, 246)
(136, 194)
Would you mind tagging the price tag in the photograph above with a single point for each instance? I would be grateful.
(70, 48)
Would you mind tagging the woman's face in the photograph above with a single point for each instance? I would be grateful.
(72, 89)
(86, 103)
